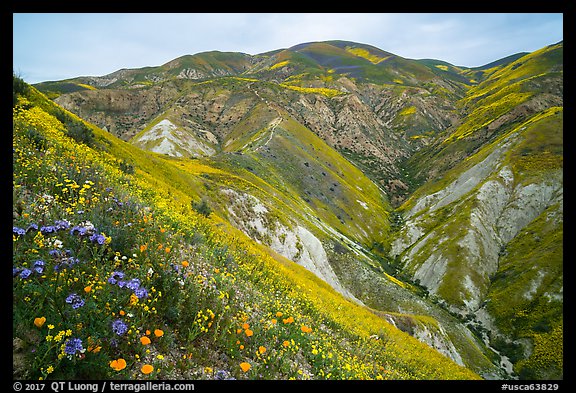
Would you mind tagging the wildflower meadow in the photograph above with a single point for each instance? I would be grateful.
(116, 276)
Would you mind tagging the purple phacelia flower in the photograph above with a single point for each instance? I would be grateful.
(75, 300)
(72, 346)
(61, 225)
(25, 273)
(119, 327)
(133, 284)
(141, 293)
(18, 231)
(100, 239)
(39, 266)
(115, 277)
(47, 229)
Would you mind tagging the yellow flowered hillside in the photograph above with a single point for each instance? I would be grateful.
(117, 276)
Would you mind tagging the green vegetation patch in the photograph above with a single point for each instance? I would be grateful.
(407, 111)
(526, 296)
(330, 93)
(365, 54)
(541, 149)
(279, 64)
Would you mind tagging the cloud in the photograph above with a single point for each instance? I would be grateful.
(58, 46)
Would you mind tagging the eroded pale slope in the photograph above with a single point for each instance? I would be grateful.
(455, 241)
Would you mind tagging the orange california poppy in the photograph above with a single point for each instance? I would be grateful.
(145, 340)
(245, 366)
(39, 322)
(147, 369)
(118, 364)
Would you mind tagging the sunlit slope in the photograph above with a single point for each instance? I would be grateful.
(302, 166)
(273, 205)
(208, 287)
(491, 222)
(510, 94)
(473, 157)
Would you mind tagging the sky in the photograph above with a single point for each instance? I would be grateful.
(56, 46)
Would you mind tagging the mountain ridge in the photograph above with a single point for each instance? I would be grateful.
(270, 53)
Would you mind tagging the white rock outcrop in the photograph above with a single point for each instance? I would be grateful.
(295, 243)
(496, 206)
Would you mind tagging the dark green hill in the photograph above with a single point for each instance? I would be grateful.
(500, 62)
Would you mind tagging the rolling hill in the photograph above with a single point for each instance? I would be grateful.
(390, 204)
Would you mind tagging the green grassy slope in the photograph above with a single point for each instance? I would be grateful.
(526, 298)
(514, 123)
(511, 93)
(301, 165)
(271, 173)
(199, 299)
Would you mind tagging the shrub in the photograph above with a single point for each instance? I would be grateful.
(19, 88)
(202, 207)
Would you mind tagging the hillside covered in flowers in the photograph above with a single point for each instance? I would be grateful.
(118, 275)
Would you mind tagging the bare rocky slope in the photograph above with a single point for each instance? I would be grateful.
(430, 193)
